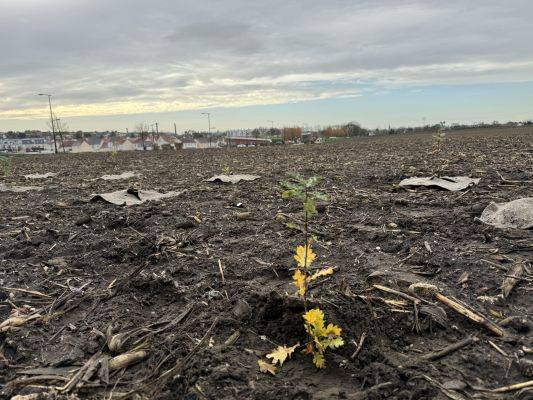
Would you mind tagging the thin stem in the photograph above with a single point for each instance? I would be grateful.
(306, 248)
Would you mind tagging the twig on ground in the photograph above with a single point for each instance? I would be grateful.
(435, 355)
(431, 290)
(359, 346)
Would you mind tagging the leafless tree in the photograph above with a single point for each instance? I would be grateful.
(143, 129)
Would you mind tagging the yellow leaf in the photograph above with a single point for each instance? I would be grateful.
(315, 318)
(322, 272)
(319, 360)
(315, 322)
(304, 256)
(281, 353)
(333, 331)
(266, 367)
(299, 281)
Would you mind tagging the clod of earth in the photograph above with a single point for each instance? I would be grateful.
(132, 196)
(516, 214)
(124, 175)
(232, 178)
(452, 184)
(40, 176)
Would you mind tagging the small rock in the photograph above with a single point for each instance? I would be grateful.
(478, 208)
(185, 224)
(57, 262)
(454, 384)
(242, 310)
(86, 219)
(71, 357)
(243, 216)
(214, 294)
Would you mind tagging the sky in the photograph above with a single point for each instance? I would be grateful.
(112, 64)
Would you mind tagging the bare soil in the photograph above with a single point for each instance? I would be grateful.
(85, 270)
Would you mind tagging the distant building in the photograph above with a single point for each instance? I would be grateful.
(124, 144)
(26, 145)
(167, 142)
(245, 141)
(189, 143)
(106, 144)
(84, 146)
(208, 143)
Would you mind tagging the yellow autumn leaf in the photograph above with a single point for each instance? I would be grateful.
(319, 360)
(315, 322)
(333, 331)
(299, 281)
(315, 318)
(281, 353)
(304, 256)
(266, 367)
(322, 272)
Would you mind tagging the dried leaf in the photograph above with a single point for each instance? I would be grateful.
(304, 256)
(265, 367)
(322, 272)
(281, 353)
(299, 281)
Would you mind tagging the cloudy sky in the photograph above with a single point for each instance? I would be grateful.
(113, 63)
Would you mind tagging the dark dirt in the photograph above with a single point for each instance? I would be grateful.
(77, 255)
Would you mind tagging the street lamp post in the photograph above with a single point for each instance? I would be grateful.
(209, 124)
(51, 118)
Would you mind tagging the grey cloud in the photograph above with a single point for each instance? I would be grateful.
(200, 52)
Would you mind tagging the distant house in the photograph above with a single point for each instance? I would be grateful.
(139, 145)
(245, 141)
(82, 146)
(123, 144)
(189, 143)
(69, 145)
(94, 141)
(309, 137)
(106, 144)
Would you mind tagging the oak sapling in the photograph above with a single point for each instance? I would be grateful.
(321, 336)
(5, 166)
(438, 138)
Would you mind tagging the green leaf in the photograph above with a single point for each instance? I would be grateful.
(310, 206)
(287, 194)
(320, 196)
(296, 227)
(312, 182)
(333, 343)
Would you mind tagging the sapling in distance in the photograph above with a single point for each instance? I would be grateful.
(5, 166)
